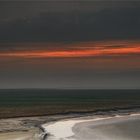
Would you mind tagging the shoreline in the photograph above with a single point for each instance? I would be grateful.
(82, 112)
(25, 124)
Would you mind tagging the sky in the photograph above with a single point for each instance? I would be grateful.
(70, 44)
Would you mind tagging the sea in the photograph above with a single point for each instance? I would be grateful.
(29, 97)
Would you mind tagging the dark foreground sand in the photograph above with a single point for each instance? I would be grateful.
(30, 135)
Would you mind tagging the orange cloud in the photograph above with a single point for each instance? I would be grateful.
(85, 49)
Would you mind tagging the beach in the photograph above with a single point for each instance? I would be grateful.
(109, 125)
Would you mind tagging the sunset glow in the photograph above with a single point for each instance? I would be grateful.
(84, 50)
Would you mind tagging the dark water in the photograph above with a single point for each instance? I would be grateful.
(13, 97)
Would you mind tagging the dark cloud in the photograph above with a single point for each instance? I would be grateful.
(104, 22)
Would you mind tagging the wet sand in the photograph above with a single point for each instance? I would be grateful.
(120, 128)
